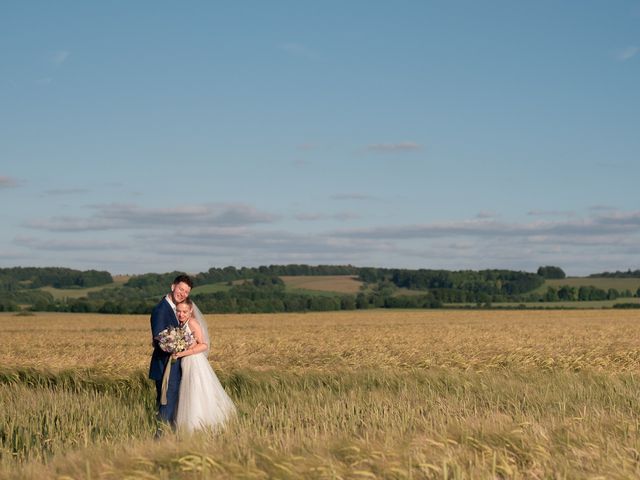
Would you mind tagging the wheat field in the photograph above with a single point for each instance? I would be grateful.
(365, 394)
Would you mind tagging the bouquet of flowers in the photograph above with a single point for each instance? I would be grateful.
(175, 339)
(172, 340)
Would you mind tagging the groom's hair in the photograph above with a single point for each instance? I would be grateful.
(184, 279)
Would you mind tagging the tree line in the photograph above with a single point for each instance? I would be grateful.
(18, 278)
(159, 281)
(260, 289)
(618, 274)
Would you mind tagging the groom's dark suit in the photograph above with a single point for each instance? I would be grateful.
(163, 317)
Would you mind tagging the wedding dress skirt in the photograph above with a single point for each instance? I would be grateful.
(203, 403)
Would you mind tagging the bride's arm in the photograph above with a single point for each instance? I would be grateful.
(199, 346)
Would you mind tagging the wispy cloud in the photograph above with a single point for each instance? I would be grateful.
(314, 217)
(297, 49)
(123, 216)
(602, 208)
(464, 245)
(11, 255)
(59, 57)
(305, 147)
(627, 53)
(550, 213)
(394, 147)
(615, 223)
(66, 191)
(352, 196)
(7, 182)
(267, 243)
(71, 245)
(195, 237)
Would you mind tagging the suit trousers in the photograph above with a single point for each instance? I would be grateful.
(167, 413)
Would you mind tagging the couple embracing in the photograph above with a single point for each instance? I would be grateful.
(189, 394)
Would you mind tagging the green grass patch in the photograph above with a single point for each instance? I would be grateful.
(211, 288)
(315, 293)
(341, 284)
(62, 293)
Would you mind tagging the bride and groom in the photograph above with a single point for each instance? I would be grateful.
(189, 394)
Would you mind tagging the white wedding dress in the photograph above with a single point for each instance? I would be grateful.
(202, 403)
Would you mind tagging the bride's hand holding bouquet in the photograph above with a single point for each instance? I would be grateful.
(174, 340)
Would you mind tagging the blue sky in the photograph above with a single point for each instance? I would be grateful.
(158, 136)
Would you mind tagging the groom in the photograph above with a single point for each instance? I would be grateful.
(163, 316)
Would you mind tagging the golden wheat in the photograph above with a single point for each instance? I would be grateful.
(367, 394)
(378, 339)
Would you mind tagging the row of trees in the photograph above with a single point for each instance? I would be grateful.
(230, 274)
(617, 274)
(584, 293)
(261, 294)
(467, 284)
(269, 297)
(262, 290)
(159, 281)
(20, 278)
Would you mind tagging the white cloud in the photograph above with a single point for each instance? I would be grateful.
(124, 216)
(550, 213)
(66, 191)
(305, 147)
(601, 208)
(72, 245)
(394, 147)
(196, 237)
(12, 256)
(298, 49)
(606, 242)
(7, 182)
(486, 215)
(264, 244)
(614, 223)
(59, 57)
(351, 196)
(312, 217)
(627, 53)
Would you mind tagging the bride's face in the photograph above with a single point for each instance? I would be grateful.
(183, 312)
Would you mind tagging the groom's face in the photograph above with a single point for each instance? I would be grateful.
(179, 292)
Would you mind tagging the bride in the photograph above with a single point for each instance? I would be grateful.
(202, 402)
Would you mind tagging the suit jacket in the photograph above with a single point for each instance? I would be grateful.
(162, 317)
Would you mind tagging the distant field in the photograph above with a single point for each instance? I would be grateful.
(551, 305)
(62, 293)
(326, 283)
(211, 288)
